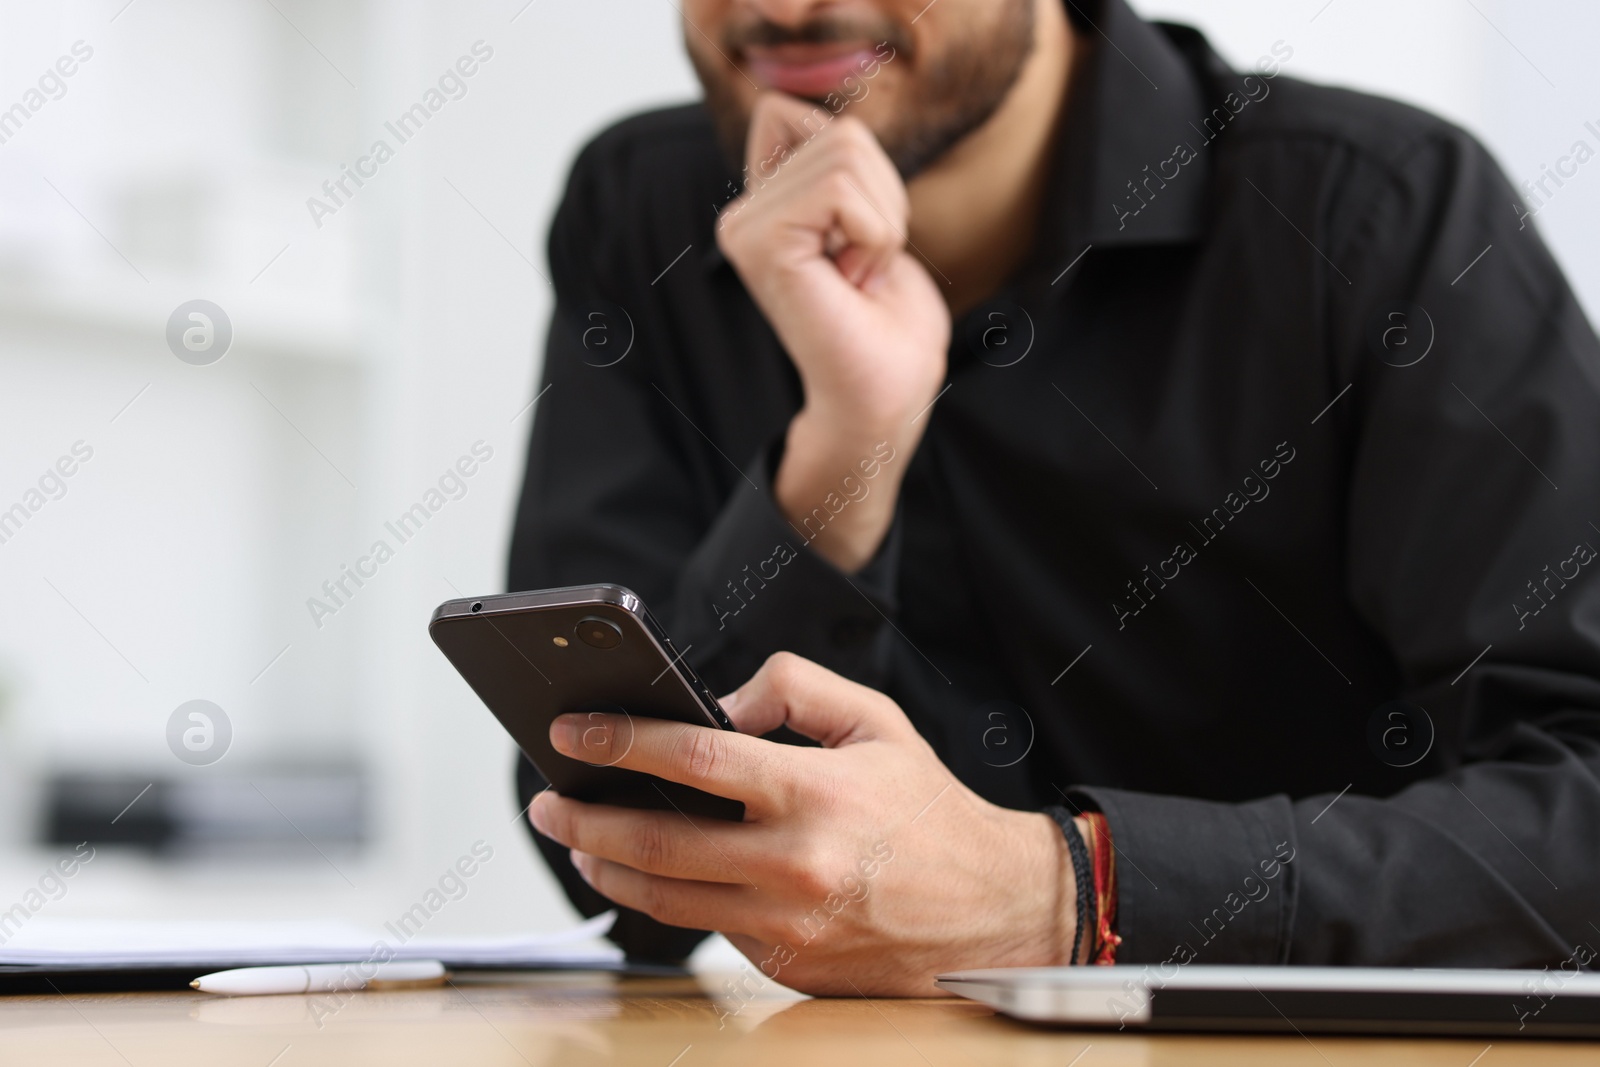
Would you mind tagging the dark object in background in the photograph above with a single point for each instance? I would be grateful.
(273, 812)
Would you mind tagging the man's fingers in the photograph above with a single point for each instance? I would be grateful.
(792, 143)
(674, 901)
(806, 168)
(655, 842)
(864, 231)
(779, 123)
(716, 761)
(830, 197)
(812, 700)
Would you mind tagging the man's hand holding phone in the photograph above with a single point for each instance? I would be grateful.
(862, 866)
(819, 240)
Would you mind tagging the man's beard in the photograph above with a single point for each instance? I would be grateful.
(950, 96)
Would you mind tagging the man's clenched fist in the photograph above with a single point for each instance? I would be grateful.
(819, 239)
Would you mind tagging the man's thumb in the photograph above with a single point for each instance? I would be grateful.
(813, 701)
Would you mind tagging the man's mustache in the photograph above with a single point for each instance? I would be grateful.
(763, 33)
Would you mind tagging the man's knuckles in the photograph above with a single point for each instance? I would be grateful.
(811, 871)
(651, 848)
(698, 753)
(845, 146)
(657, 897)
(865, 221)
(785, 673)
(850, 145)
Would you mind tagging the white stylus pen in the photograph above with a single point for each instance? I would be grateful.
(320, 977)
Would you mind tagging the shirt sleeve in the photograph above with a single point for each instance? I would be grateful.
(1473, 447)
(628, 482)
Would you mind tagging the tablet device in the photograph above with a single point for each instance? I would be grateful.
(591, 650)
(1329, 1000)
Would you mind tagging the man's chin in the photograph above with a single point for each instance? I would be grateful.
(919, 106)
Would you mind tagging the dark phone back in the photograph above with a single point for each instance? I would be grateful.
(507, 650)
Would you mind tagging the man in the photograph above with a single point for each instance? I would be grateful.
(1090, 427)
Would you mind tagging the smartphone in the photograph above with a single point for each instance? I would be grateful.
(588, 650)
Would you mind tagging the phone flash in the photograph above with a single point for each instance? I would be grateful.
(560, 642)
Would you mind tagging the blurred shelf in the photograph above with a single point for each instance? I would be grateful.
(262, 325)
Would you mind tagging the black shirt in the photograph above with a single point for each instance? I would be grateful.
(1259, 512)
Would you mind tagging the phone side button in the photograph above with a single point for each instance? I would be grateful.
(716, 709)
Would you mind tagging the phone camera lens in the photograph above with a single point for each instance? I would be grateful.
(477, 606)
(599, 633)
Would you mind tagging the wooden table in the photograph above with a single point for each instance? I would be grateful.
(531, 1021)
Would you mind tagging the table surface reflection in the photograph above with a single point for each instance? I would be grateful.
(574, 1019)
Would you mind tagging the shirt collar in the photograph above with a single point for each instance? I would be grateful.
(1135, 100)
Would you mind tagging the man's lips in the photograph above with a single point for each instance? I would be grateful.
(807, 70)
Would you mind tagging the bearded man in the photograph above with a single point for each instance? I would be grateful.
(1143, 511)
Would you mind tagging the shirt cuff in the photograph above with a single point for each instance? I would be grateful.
(1199, 881)
(755, 586)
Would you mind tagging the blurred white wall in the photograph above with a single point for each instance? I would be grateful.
(369, 353)
(372, 350)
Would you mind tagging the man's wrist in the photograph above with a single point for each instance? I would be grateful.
(838, 485)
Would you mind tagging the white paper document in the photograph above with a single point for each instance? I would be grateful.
(202, 943)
